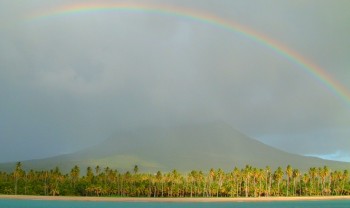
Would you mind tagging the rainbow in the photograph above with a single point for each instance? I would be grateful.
(308, 66)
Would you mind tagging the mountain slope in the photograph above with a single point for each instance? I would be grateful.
(183, 148)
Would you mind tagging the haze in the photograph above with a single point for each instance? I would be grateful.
(71, 81)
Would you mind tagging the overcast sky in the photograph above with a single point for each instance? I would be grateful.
(71, 81)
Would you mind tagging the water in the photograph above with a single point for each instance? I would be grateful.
(5, 203)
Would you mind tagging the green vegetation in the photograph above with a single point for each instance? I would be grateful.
(246, 182)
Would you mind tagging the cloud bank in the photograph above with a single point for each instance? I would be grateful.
(71, 81)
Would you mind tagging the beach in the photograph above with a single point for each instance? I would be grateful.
(145, 199)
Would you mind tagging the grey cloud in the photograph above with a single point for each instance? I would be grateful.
(68, 82)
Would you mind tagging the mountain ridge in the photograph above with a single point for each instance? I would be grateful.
(185, 148)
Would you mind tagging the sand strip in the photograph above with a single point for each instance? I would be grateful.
(136, 199)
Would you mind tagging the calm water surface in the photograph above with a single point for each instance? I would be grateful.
(5, 203)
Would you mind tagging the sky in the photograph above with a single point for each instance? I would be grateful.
(70, 81)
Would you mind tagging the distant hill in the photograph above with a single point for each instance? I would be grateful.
(199, 147)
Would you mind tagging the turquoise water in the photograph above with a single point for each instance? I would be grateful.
(77, 204)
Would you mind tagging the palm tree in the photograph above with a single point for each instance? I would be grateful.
(17, 174)
(246, 175)
(296, 175)
(289, 173)
(211, 177)
(237, 175)
(312, 175)
(255, 174)
(75, 173)
(268, 180)
(261, 177)
(306, 180)
(159, 177)
(323, 175)
(56, 176)
(97, 170)
(89, 174)
(201, 183)
(337, 177)
(220, 180)
(106, 171)
(26, 179)
(278, 175)
(31, 177)
(191, 180)
(136, 169)
(111, 176)
(175, 176)
(45, 177)
(345, 180)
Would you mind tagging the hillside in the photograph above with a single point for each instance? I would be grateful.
(182, 148)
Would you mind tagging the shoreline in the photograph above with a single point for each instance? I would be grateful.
(145, 199)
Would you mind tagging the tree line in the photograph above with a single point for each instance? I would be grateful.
(245, 182)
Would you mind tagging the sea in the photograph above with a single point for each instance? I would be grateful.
(9, 203)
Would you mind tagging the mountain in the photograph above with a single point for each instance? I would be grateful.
(185, 148)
